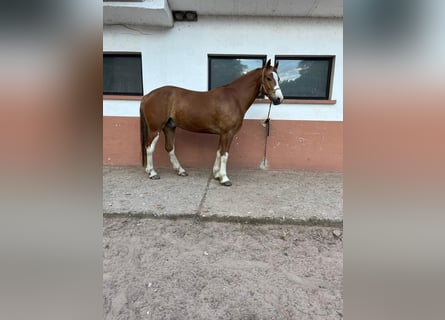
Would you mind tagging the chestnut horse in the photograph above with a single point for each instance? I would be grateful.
(218, 111)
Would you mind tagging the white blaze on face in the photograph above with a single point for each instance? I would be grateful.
(277, 89)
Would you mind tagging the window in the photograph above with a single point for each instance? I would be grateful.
(122, 74)
(223, 69)
(305, 77)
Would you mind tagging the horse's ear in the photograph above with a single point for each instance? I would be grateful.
(268, 63)
(276, 64)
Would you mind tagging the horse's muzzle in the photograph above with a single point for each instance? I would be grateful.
(277, 100)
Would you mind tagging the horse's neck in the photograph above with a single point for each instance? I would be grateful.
(248, 87)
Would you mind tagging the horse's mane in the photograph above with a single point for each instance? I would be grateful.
(242, 77)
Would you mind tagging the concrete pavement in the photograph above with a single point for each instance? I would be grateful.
(300, 197)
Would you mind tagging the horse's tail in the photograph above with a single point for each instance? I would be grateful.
(143, 128)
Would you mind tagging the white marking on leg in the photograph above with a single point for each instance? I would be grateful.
(175, 163)
(217, 165)
(223, 169)
(150, 150)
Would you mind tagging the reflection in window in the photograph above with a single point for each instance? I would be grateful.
(305, 77)
(224, 69)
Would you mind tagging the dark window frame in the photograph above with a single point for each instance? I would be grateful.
(261, 57)
(126, 54)
(329, 77)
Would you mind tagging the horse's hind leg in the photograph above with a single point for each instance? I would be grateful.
(217, 164)
(169, 132)
(150, 149)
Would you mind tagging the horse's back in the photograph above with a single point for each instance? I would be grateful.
(172, 99)
(200, 111)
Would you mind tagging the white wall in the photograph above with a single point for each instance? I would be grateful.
(178, 56)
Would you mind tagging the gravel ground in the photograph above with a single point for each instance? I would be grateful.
(185, 269)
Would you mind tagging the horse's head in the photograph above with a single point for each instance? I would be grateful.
(270, 83)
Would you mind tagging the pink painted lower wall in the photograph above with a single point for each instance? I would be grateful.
(295, 145)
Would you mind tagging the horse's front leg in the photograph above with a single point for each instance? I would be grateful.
(224, 179)
(222, 155)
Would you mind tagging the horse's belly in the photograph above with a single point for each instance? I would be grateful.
(194, 127)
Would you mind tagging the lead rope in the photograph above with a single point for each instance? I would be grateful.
(267, 123)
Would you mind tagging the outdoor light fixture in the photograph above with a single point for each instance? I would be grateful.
(191, 16)
(185, 16)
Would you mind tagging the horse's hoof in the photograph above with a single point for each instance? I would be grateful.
(183, 174)
(227, 183)
(155, 177)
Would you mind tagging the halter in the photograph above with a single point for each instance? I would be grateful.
(262, 87)
(267, 120)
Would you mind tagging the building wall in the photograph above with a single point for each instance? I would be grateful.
(302, 136)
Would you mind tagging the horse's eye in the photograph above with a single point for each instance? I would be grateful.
(269, 79)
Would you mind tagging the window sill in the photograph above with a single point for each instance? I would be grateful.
(298, 101)
(286, 101)
(121, 97)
